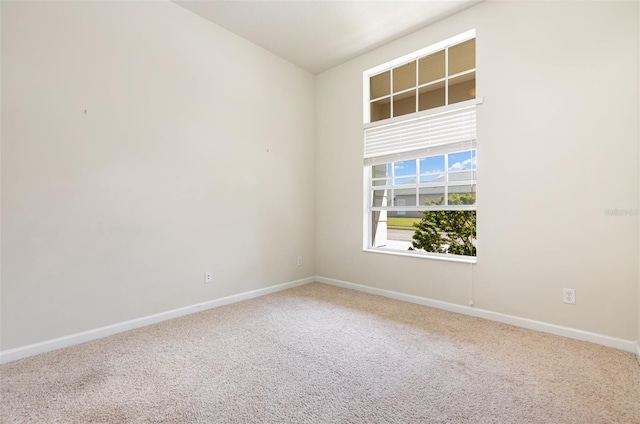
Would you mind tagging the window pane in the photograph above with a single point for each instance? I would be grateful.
(407, 167)
(462, 57)
(379, 198)
(380, 110)
(404, 103)
(462, 176)
(432, 164)
(462, 195)
(380, 171)
(404, 197)
(378, 228)
(404, 77)
(431, 96)
(380, 85)
(432, 178)
(432, 169)
(462, 88)
(431, 68)
(405, 180)
(462, 160)
(431, 195)
(400, 229)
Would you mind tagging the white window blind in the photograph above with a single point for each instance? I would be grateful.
(430, 134)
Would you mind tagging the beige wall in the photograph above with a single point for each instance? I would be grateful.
(115, 214)
(557, 145)
(195, 154)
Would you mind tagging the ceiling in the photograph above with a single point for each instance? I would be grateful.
(318, 35)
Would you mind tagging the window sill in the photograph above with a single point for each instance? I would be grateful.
(423, 255)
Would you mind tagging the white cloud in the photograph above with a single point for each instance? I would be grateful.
(465, 164)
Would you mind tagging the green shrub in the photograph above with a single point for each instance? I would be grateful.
(452, 232)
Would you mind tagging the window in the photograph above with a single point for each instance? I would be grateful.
(420, 152)
(436, 79)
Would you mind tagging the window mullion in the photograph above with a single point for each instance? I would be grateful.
(391, 192)
(391, 93)
(446, 76)
(417, 182)
(416, 87)
(446, 179)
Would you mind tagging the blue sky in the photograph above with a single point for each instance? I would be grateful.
(434, 165)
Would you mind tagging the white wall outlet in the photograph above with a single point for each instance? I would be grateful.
(299, 260)
(569, 296)
(208, 277)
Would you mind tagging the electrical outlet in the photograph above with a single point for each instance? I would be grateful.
(569, 296)
(299, 260)
(208, 277)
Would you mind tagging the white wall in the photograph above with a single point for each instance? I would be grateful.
(558, 144)
(195, 154)
(115, 214)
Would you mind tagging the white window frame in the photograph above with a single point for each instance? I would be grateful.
(413, 154)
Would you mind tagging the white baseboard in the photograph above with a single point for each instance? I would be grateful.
(85, 336)
(572, 333)
(97, 333)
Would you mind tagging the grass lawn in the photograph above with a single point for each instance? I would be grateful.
(401, 223)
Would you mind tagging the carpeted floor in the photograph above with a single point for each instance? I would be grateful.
(321, 354)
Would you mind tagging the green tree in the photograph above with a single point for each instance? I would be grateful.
(447, 231)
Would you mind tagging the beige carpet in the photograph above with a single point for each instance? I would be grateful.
(320, 354)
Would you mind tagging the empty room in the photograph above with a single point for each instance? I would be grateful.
(320, 211)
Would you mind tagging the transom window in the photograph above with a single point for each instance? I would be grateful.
(441, 78)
